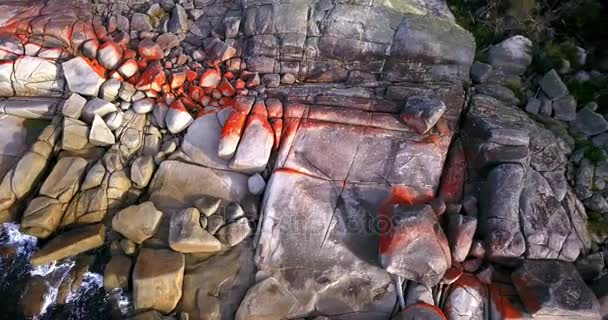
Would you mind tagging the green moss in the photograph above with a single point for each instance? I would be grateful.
(597, 223)
(591, 152)
(517, 87)
(592, 90)
(485, 36)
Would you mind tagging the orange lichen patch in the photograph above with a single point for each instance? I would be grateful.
(432, 139)
(178, 105)
(226, 88)
(129, 54)
(239, 84)
(191, 75)
(153, 78)
(196, 93)
(399, 194)
(142, 64)
(453, 273)
(210, 78)
(501, 299)
(216, 94)
(243, 104)
(454, 174)
(81, 32)
(177, 80)
(277, 127)
(234, 124)
(101, 71)
(229, 75)
(274, 108)
(259, 108)
(443, 127)
(263, 120)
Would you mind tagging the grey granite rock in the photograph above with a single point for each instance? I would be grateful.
(589, 123)
(552, 85)
(513, 54)
(553, 290)
(422, 113)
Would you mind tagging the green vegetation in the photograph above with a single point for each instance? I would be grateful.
(592, 152)
(517, 87)
(597, 223)
(484, 34)
(593, 90)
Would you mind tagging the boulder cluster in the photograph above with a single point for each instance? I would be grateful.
(295, 160)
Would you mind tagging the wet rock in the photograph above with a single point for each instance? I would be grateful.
(589, 123)
(235, 232)
(100, 134)
(466, 299)
(82, 77)
(461, 230)
(72, 107)
(552, 85)
(550, 289)
(422, 113)
(75, 134)
(512, 55)
(117, 273)
(70, 243)
(138, 222)
(186, 234)
(98, 107)
(416, 248)
(142, 170)
(33, 300)
(157, 279)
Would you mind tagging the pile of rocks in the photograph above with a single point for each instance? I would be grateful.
(174, 130)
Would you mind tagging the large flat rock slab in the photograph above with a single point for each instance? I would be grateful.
(319, 236)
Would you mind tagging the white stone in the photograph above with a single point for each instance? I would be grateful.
(98, 107)
(6, 72)
(37, 77)
(143, 106)
(109, 89)
(72, 107)
(100, 134)
(81, 77)
(177, 120)
(256, 184)
(114, 120)
(160, 112)
(75, 134)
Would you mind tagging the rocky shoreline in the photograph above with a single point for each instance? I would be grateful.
(289, 160)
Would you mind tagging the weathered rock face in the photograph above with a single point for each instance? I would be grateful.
(554, 289)
(319, 210)
(416, 247)
(526, 207)
(70, 243)
(137, 223)
(157, 279)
